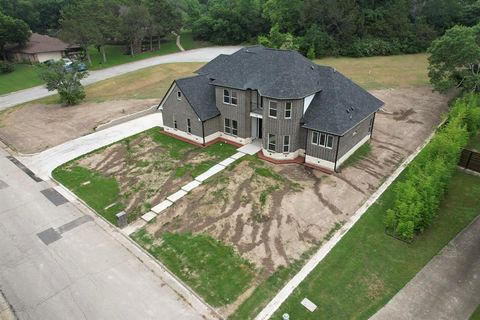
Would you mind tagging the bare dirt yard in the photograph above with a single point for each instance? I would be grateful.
(271, 214)
(35, 127)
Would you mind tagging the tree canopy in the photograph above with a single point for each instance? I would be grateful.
(455, 59)
(12, 31)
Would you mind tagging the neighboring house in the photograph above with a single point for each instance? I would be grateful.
(293, 106)
(40, 48)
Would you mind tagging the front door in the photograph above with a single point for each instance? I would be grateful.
(259, 128)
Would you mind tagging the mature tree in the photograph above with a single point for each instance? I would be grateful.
(165, 18)
(21, 9)
(89, 22)
(12, 31)
(65, 80)
(455, 59)
(288, 14)
(134, 24)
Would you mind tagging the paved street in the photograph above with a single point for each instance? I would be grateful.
(62, 262)
(197, 55)
(44, 162)
(448, 287)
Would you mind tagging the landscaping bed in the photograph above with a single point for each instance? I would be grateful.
(136, 173)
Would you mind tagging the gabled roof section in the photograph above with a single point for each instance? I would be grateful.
(39, 43)
(340, 105)
(281, 74)
(200, 94)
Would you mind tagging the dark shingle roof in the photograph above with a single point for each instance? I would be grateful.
(340, 105)
(281, 74)
(200, 94)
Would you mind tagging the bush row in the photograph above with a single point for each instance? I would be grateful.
(418, 195)
(6, 66)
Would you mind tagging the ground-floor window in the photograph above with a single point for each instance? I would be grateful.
(175, 124)
(322, 139)
(286, 143)
(231, 127)
(272, 142)
(189, 126)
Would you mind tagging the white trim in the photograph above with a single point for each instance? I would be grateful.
(212, 137)
(270, 107)
(285, 110)
(352, 150)
(256, 115)
(283, 156)
(238, 140)
(160, 107)
(320, 162)
(306, 102)
(183, 134)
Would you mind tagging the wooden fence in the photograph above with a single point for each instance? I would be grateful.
(470, 160)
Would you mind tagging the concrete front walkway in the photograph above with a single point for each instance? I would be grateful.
(448, 287)
(196, 55)
(43, 163)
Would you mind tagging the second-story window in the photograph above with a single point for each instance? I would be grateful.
(226, 96)
(234, 98)
(272, 109)
(230, 97)
(288, 110)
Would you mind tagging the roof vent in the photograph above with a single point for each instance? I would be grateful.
(334, 70)
(350, 117)
(312, 67)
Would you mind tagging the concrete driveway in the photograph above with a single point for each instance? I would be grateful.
(59, 261)
(448, 287)
(43, 163)
(196, 55)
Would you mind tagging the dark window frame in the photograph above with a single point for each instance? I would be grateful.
(189, 126)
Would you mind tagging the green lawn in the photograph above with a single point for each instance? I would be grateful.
(188, 43)
(98, 191)
(409, 70)
(474, 143)
(116, 55)
(214, 270)
(476, 314)
(367, 267)
(24, 76)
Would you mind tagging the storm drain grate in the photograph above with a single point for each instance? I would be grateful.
(24, 169)
(54, 196)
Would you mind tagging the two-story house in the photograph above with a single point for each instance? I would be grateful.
(293, 106)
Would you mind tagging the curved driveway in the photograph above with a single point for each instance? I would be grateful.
(196, 55)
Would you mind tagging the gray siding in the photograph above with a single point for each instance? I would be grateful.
(319, 151)
(211, 126)
(180, 110)
(349, 140)
(284, 127)
(240, 112)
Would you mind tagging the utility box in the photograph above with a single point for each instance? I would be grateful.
(122, 219)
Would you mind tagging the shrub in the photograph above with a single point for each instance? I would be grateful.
(418, 196)
(6, 67)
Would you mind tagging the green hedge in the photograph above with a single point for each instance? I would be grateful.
(417, 197)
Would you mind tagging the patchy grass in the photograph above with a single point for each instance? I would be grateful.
(368, 267)
(25, 76)
(474, 143)
(188, 43)
(147, 83)
(214, 270)
(384, 71)
(137, 172)
(98, 191)
(216, 152)
(116, 54)
(358, 155)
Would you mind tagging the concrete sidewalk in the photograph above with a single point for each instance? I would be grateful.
(43, 163)
(196, 55)
(448, 287)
